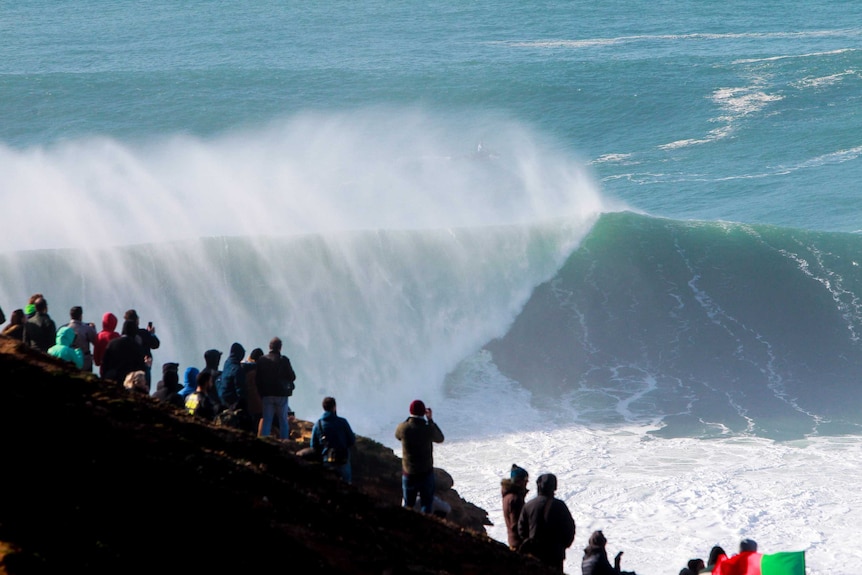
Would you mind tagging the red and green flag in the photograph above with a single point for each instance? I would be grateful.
(753, 563)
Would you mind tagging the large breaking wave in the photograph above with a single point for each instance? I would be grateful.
(706, 328)
(382, 246)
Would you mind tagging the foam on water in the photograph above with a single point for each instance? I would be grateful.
(661, 501)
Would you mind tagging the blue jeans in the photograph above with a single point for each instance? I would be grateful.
(275, 406)
(422, 485)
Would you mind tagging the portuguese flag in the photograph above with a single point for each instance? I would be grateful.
(753, 563)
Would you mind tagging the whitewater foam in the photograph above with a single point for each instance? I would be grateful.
(662, 501)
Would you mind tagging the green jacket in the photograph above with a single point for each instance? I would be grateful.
(417, 437)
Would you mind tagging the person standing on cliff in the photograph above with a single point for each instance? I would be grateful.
(146, 338)
(103, 338)
(40, 331)
(332, 437)
(212, 360)
(546, 526)
(514, 492)
(85, 336)
(418, 434)
(275, 381)
(124, 355)
(254, 404)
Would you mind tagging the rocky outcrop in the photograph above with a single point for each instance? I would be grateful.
(377, 471)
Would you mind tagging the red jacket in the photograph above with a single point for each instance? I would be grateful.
(104, 337)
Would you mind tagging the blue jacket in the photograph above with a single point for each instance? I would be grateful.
(337, 432)
(63, 350)
(230, 385)
(190, 379)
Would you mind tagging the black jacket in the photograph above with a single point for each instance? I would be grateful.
(597, 563)
(148, 341)
(122, 356)
(40, 332)
(274, 373)
(552, 532)
(170, 394)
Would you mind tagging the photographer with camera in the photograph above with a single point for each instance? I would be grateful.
(418, 434)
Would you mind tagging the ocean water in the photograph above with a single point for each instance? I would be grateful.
(617, 242)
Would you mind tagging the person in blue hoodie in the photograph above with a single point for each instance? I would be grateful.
(63, 348)
(190, 381)
(332, 437)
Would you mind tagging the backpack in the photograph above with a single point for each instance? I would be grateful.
(330, 454)
(232, 417)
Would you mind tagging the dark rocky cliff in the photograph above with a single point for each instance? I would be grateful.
(98, 480)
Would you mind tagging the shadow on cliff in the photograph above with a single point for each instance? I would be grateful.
(97, 480)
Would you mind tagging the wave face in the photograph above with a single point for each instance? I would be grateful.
(701, 329)
(375, 317)
(708, 328)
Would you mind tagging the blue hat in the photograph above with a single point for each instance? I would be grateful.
(518, 472)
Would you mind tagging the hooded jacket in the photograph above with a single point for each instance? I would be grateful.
(514, 496)
(104, 337)
(40, 332)
(190, 381)
(212, 358)
(63, 350)
(548, 522)
(123, 355)
(595, 562)
(229, 385)
(168, 389)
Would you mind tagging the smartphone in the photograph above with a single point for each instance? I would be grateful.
(150, 325)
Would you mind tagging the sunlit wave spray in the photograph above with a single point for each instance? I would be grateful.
(382, 246)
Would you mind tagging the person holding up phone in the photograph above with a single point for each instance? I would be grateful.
(418, 434)
(147, 339)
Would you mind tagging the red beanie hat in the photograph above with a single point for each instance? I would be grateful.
(417, 407)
